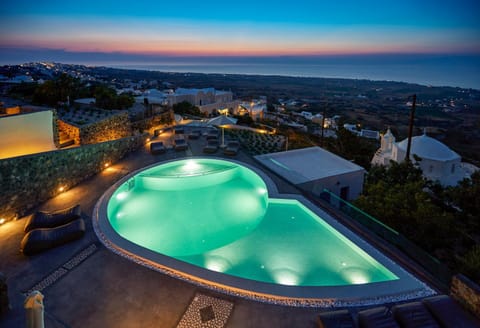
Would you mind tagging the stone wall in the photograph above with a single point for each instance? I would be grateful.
(56, 133)
(112, 128)
(154, 122)
(27, 181)
(466, 292)
(70, 129)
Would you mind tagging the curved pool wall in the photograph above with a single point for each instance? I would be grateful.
(403, 286)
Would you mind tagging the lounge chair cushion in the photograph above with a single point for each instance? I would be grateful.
(52, 219)
(39, 240)
(337, 319)
(412, 315)
(379, 317)
(449, 313)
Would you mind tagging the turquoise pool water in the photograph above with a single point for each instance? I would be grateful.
(217, 215)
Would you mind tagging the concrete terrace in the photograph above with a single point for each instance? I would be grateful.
(87, 285)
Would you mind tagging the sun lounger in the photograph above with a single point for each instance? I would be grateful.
(379, 317)
(179, 131)
(157, 148)
(194, 134)
(39, 240)
(181, 144)
(412, 315)
(232, 148)
(212, 134)
(52, 219)
(211, 147)
(449, 313)
(336, 319)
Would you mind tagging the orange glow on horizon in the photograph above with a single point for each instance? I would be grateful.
(227, 48)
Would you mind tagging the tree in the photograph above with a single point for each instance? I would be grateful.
(470, 263)
(186, 108)
(352, 147)
(59, 90)
(396, 195)
(107, 98)
(466, 196)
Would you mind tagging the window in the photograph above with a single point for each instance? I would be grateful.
(453, 169)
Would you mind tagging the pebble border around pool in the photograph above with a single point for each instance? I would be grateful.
(63, 270)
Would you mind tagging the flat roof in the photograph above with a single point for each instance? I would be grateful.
(307, 164)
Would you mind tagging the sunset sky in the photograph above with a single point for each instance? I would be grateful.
(244, 28)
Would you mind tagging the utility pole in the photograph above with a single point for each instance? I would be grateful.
(410, 127)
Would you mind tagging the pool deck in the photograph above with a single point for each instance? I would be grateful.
(87, 285)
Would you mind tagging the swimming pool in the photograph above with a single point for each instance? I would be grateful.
(216, 223)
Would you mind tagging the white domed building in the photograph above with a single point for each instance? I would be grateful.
(437, 161)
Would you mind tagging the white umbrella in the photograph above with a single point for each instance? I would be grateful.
(221, 121)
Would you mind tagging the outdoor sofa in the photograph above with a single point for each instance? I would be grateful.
(431, 312)
(379, 317)
(449, 313)
(39, 240)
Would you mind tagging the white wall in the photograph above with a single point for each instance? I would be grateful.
(352, 180)
(26, 134)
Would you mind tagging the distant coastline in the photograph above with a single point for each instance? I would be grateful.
(452, 74)
(426, 69)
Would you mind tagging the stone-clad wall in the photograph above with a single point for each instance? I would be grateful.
(111, 128)
(27, 181)
(466, 292)
(70, 129)
(56, 137)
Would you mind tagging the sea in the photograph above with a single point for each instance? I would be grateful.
(453, 71)
(426, 69)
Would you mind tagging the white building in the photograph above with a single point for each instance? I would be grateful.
(314, 169)
(207, 99)
(255, 108)
(437, 161)
(153, 96)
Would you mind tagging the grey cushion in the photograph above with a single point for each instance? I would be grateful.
(449, 313)
(337, 319)
(52, 219)
(414, 315)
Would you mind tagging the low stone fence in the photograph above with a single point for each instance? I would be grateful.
(27, 181)
(466, 292)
